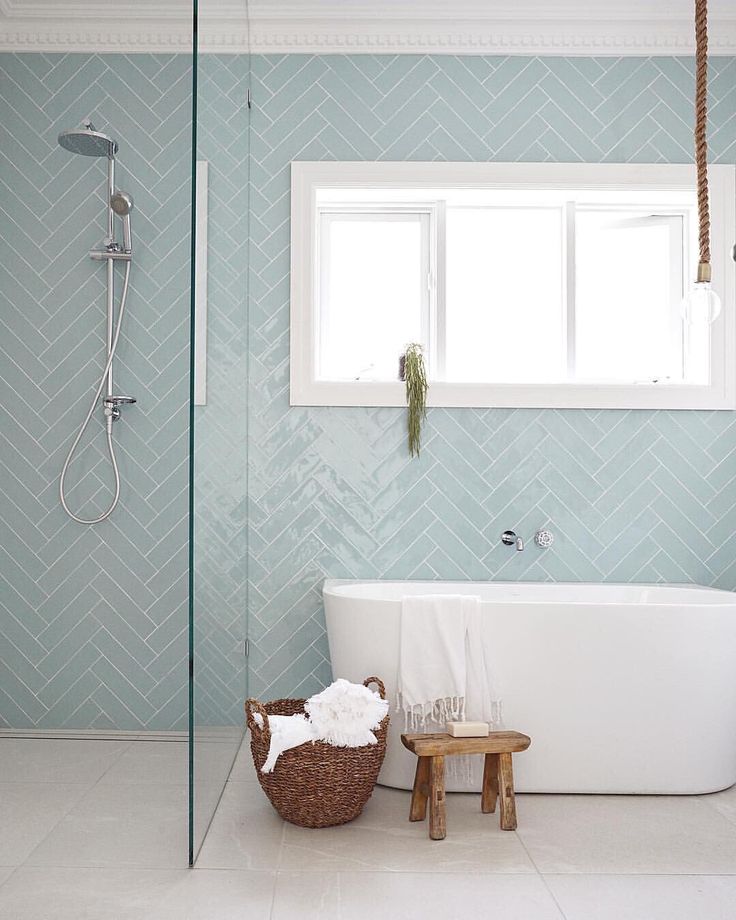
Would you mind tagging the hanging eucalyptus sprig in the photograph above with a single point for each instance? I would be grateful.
(415, 377)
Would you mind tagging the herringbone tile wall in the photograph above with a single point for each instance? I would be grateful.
(642, 496)
(93, 619)
(630, 496)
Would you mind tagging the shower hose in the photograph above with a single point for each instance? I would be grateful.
(90, 412)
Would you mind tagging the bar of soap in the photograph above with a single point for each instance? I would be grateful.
(468, 729)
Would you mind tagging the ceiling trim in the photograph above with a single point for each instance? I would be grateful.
(558, 27)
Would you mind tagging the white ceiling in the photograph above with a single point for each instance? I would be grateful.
(355, 26)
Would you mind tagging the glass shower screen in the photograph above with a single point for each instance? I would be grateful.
(219, 536)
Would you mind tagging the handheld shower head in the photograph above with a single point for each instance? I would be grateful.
(122, 204)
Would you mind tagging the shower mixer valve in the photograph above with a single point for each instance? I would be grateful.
(112, 405)
(543, 538)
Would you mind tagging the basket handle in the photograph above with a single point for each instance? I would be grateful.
(379, 682)
(252, 707)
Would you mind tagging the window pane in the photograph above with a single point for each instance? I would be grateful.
(628, 293)
(505, 320)
(373, 290)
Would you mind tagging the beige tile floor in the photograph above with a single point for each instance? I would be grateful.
(97, 830)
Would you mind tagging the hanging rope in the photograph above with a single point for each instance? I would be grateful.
(701, 120)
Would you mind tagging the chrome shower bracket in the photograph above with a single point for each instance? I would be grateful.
(112, 405)
(112, 252)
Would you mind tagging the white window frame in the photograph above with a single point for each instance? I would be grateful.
(307, 177)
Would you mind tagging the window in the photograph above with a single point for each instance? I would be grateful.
(526, 284)
(373, 289)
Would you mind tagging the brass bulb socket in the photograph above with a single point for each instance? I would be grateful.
(704, 272)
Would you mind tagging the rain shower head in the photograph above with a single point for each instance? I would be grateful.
(88, 142)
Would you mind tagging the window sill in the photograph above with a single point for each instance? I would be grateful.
(530, 396)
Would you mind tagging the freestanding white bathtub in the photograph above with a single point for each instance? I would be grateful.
(622, 688)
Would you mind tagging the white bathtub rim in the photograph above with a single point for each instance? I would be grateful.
(717, 597)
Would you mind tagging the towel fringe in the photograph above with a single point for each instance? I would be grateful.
(417, 718)
(434, 715)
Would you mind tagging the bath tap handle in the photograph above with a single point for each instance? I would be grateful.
(509, 538)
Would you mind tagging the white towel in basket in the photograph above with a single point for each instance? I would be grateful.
(286, 732)
(344, 715)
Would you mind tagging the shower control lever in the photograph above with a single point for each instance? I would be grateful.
(112, 405)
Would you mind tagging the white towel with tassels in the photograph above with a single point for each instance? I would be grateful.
(432, 666)
(443, 668)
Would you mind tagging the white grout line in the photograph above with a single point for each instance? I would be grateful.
(72, 806)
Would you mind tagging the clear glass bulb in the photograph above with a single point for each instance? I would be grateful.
(701, 305)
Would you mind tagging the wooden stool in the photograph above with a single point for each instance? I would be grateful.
(429, 781)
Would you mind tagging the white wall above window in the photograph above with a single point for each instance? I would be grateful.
(538, 285)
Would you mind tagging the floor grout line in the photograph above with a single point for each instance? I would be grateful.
(219, 797)
(553, 896)
(57, 823)
(11, 874)
(273, 896)
(111, 765)
(561, 912)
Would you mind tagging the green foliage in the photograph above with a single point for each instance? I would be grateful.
(415, 376)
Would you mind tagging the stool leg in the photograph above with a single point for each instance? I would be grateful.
(489, 795)
(437, 823)
(506, 790)
(420, 793)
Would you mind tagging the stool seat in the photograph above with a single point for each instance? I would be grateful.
(440, 744)
(429, 780)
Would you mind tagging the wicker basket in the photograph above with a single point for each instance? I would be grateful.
(316, 784)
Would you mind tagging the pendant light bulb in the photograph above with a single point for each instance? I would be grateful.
(701, 305)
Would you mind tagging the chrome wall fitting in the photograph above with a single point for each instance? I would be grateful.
(113, 252)
(111, 405)
(509, 538)
(544, 538)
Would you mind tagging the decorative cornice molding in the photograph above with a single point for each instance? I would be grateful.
(102, 39)
(604, 38)
(564, 27)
